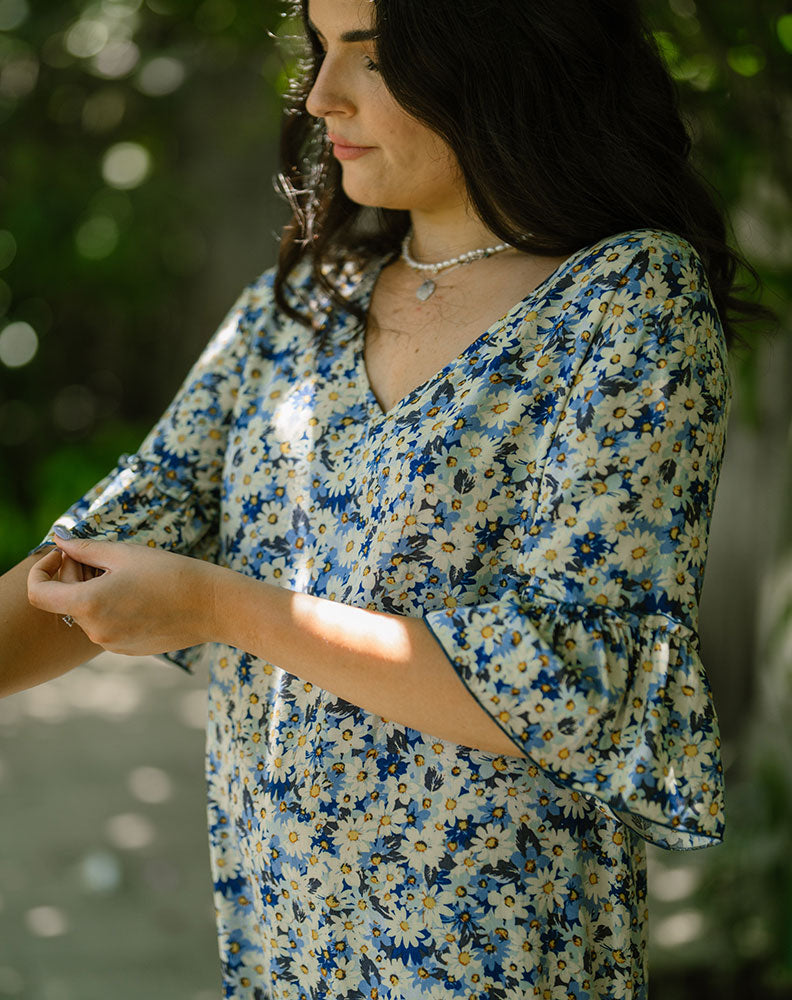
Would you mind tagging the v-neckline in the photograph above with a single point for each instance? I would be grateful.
(364, 294)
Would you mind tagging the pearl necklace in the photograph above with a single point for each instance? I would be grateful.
(428, 287)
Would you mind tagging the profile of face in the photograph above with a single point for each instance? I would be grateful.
(388, 159)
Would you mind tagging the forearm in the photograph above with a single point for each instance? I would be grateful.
(35, 646)
(387, 664)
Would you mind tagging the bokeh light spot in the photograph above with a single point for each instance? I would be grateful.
(150, 784)
(46, 921)
(18, 345)
(18, 77)
(97, 237)
(116, 59)
(679, 929)
(112, 695)
(784, 29)
(8, 248)
(86, 38)
(126, 165)
(44, 704)
(12, 14)
(129, 831)
(747, 60)
(160, 76)
(674, 884)
(100, 871)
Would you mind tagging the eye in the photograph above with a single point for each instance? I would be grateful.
(370, 64)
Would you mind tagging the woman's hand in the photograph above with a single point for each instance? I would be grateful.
(127, 598)
(148, 600)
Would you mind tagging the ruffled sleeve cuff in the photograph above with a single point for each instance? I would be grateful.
(612, 705)
(141, 501)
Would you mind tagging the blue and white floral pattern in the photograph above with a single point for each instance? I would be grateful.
(543, 503)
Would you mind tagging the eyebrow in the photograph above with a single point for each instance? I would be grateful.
(360, 35)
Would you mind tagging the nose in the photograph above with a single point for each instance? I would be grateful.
(329, 94)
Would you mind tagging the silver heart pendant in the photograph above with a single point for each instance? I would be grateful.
(425, 290)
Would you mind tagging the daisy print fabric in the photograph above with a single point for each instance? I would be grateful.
(543, 503)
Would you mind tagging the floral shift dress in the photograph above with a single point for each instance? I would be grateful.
(543, 503)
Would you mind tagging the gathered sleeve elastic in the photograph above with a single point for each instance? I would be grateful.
(588, 656)
(167, 494)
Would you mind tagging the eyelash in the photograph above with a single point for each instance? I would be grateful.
(368, 62)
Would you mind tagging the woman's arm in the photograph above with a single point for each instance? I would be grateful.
(388, 664)
(34, 646)
(152, 601)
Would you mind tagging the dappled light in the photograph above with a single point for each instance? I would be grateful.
(139, 142)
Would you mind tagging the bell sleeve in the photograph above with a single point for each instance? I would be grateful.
(167, 494)
(588, 656)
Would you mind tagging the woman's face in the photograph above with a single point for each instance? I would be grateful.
(388, 159)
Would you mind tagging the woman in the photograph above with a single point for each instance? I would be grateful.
(432, 506)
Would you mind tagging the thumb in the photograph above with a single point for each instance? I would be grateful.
(87, 551)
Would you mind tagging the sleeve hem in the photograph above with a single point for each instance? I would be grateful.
(685, 839)
(182, 658)
(684, 821)
(472, 693)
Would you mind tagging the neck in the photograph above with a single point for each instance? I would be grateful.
(439, 237)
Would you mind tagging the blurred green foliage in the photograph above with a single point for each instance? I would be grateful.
(138, 145)
(131, 132)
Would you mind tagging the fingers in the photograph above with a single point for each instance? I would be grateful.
(47, 567)
(88, 552)
(72, 572)
(50, 583)
(41, 580)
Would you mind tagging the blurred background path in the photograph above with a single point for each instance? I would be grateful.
(105, 890)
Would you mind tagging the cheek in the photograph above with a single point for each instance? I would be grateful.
(419, 149)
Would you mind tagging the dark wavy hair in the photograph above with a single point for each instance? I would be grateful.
(564, 121)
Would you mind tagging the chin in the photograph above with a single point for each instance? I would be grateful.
(373, 195)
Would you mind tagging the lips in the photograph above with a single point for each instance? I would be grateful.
(345, 149)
